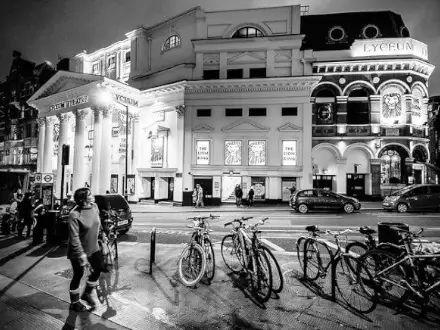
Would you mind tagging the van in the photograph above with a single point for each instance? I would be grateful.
(418, 197)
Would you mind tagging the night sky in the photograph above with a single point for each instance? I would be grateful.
(46, 29)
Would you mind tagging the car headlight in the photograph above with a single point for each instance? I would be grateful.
(393, 198)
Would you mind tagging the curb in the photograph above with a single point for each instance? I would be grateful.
(236, 210)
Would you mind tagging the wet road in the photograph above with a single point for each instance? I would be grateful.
(281, 230)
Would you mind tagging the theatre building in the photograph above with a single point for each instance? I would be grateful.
(217, 98)
(370, 132)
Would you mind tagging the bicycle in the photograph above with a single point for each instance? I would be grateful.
(251, 260)
(198, 255)
(343, 277)
(109, 229)
(409, 275)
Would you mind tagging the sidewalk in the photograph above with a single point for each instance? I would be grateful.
(34, 294)
(167, 207)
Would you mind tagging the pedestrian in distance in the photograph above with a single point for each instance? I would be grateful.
(26, 209)
(194, 196)
(251, 194)
(83, 249)
(199, 202)
(238, 195)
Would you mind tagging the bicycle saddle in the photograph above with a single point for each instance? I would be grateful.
(312, 228)
(367, 230)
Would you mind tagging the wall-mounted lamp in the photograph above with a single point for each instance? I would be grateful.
(378, 144)
(324, 170)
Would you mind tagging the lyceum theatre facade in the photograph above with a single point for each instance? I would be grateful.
(217, 98)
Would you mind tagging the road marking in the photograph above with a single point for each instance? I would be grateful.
(407, 216)
(272, 245)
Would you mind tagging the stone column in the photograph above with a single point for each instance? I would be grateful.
(409, 162)
(135, 152)
(341, 114)
(305, 148)
(64, 135)
(341, 178)
(41, 133)
(48, 145)
(96, 160)
(79, 150)
(106, 145)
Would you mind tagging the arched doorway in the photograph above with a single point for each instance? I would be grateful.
(392, 166)
(420, 155)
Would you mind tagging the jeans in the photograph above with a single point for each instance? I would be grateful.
(95, 260)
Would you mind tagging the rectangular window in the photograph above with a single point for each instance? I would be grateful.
(235, 74)
(111, 61)
(257, 73)
(233, 152)
(257, 153)
(127, 56)
(211, 74)
(289, 153)
(202, 152)
(257, 112)
(203, 112)
(95, 68)
(293, 111)
(233, 112)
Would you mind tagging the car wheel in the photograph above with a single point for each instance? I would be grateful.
(302, 208)
(348, 208)
(402, 208)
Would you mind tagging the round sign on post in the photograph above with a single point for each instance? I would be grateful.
(38, 178)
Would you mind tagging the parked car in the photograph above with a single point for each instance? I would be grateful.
(417, 197)
(109, 202)
(304, 200)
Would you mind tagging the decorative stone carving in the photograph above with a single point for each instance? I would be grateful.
(64, 117)
(50, 121)
(81, 114)
(41, 121)
(106, 111)
(180, 109)
(134, 117)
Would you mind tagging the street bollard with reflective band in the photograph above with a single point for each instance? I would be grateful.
(152, 249)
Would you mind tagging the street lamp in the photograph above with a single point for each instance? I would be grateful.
(106, 97)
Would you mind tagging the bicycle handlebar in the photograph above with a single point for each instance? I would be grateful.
(204, 218)
(338, 233)
(237, 220)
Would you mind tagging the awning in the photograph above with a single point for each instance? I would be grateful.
(430, 166)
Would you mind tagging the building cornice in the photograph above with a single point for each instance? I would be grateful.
(369, 66)
(252, 85)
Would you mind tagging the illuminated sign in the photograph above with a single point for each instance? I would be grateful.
(202, 153)
(125, 100)
(289, 153)
(257, 152)
(392, 106)
(232, 152)
(70, 103)
(389, 47)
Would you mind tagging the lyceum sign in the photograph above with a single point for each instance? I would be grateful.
(389, 46)
(125, 100)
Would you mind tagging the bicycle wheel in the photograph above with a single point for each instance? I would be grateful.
(231, 253)
(429, 275)
(386, 284)
(317, 256)
(261, 277)
(300, 252)
(355, 249)
(277, 275)
(192, 264)
(349, 286)
(210, 259)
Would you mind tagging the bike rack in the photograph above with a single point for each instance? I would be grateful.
(152, 249)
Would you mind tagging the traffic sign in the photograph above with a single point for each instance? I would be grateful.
(47, 178)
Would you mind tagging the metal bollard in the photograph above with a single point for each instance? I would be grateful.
(152, 249)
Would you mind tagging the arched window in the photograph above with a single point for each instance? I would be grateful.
(171, 42)
(391, 167)
(358, 107)
(247, 32)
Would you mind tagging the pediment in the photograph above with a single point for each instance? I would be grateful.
(246, 57)
(289, 127)
(63, 81)
(213, 59)
(203, 128)
(245, 126)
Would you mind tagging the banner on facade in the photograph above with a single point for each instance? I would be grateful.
(232, 152)
(324, 114)
(392, 107)
(114, 184)
(202, 152)
(289, 153)
(257, 153)
(157, 152)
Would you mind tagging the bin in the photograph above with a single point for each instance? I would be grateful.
(388, 234)
(62, 229)
(50, 220)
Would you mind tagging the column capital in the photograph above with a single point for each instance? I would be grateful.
(375, 161)
(81, 114)
(135, 117)
(41, 121)
(51, 120)
(64, 117)
(106, 111)
(97, 112)
(180, 109)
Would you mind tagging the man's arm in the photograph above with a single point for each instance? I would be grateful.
(75, 242)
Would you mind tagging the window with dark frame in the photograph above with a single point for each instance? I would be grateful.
(211, 74)
(257, 73)
(233, 112)
(127, 56)
(203, 112)
(257, 112)
(235, 74)
(290, 111)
